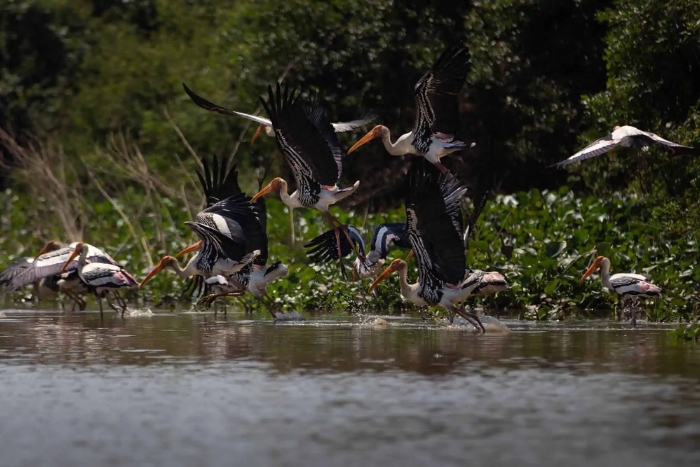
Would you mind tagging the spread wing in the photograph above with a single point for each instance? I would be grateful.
(210, 106)
(324, 248)
(305, 148)
(437, 93)
(433, 204)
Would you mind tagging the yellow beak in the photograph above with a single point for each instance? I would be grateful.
(154, 271)
(590, 271)
(386, 273)
(72, 256)
(365, 139)
(193, 247)
(263, 192)
(257, 133)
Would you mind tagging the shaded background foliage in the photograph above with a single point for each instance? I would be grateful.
(95, 86)
(83, 70)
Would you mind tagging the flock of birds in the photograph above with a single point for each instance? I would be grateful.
(232, 251)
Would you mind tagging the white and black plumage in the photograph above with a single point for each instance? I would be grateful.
(312, 151)
(324, 248)
(217, 185)
(265, 123)
(627, 285)
(100, 278)
(489, 282)
(51, 264)
(218, 252)
(628, 137)
(437, 111)
(69, 284)
(435, 229)
(255, 277)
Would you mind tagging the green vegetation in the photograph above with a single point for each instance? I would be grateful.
(92, 112)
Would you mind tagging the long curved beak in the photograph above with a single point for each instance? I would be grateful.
(193, 247)
(409, 255)
(72, 256)
(257, 133)
(365, 139)
(386, 273)
(588, 272)
(263, 192)
(154, 271)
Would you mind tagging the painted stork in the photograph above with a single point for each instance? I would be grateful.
(628, 137)
(437, 112)
(489, 282)
(100, 278)
(324, 249)
(311, 149)
(19, 266)
(435, 229)
(49, 262)
(69, 284)
(264, 123)
(629, 286)
(218, 253)
(256, 277)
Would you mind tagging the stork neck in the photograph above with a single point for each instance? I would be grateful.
(189, 270)
(409, 291)
(290, 200)
(82, 261)
(397, 148)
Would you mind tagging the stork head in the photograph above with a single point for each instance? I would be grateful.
(166, 262)
(260, 129)
(51, 245)
(375, 132)
(395, 265)
(275, 185)
(597, 263)
(193, 247)
(76, 251)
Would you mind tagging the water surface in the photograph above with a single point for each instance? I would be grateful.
(191, 389)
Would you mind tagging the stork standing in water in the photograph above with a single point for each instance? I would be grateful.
(265, 124)
(437, 112)
(628, 137)
(629, 286)
(324, 249)
(46, 271)
(435, 230)
(256, 277)
(311, 149)
(101, 278)
(19, 266)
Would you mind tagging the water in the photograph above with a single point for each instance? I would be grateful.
(188, 389)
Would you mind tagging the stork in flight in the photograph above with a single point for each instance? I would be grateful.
(627, 137)
(266, 124)
(437, 119)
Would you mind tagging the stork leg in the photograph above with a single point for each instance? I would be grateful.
(472, 318)
(99, 300)
(335, 225)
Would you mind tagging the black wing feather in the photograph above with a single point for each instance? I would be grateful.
(435, 198)
(324, 248)
(437, 92)
(306, 150)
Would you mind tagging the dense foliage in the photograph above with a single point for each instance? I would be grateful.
(92, 112)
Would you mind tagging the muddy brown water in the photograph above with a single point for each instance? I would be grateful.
(181, 389)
